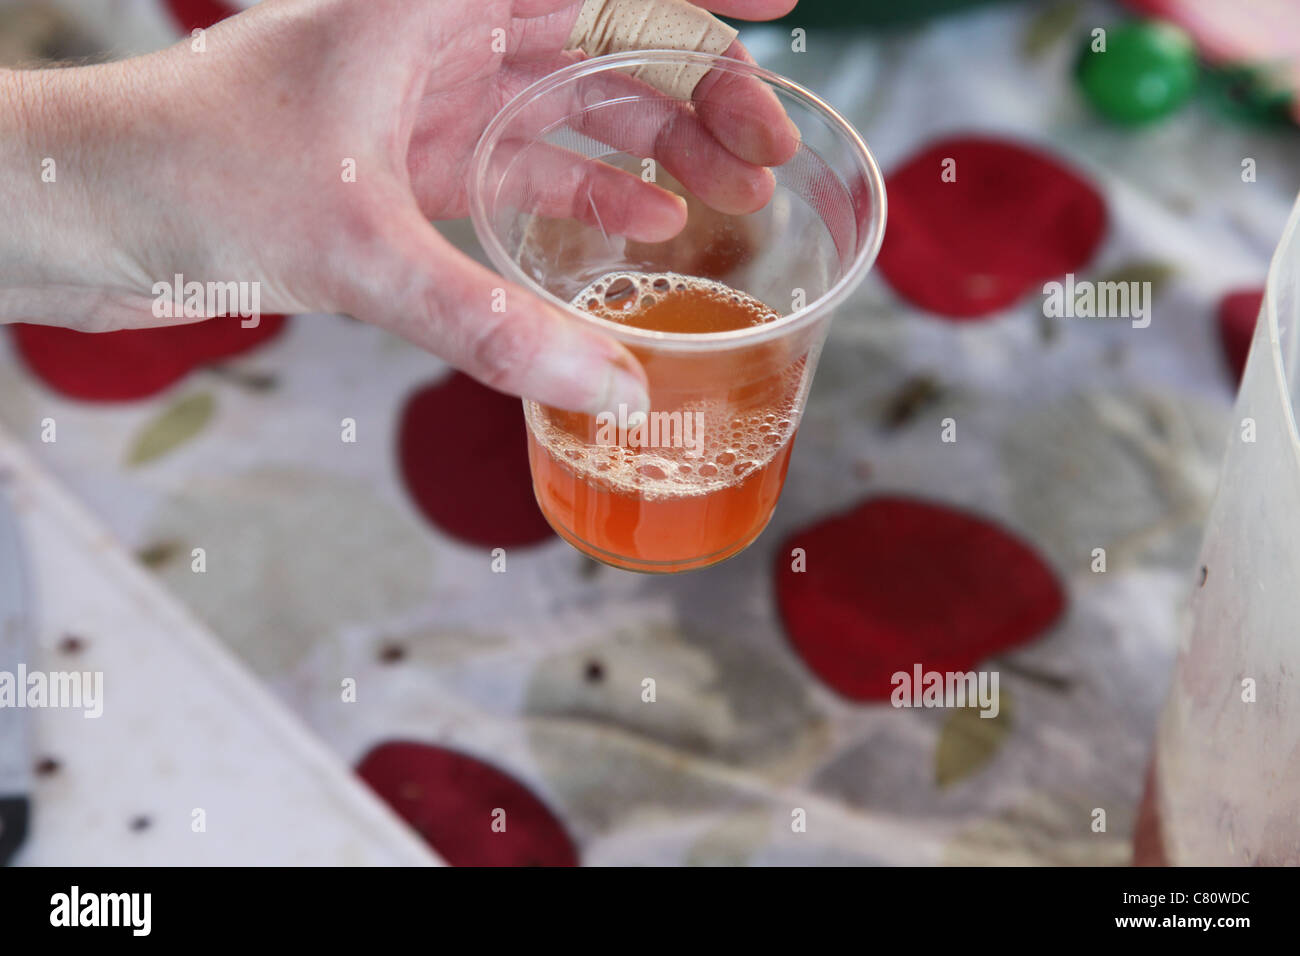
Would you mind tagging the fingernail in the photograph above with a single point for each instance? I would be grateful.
(622, 389)
(793, 128)
(796, 137)
(581, 369)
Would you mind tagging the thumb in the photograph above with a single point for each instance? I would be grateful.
(430, 293)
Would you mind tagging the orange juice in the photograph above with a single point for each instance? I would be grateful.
(699, 479)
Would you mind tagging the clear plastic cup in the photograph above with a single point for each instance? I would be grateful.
(699, 481)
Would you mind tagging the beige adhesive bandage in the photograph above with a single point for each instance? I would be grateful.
(613, 26)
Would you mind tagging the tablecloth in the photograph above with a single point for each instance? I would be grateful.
(1073, 434)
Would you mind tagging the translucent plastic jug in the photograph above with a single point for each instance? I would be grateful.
(1224, 787)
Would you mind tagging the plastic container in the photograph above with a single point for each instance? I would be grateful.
(1224, 787)
(549, 199)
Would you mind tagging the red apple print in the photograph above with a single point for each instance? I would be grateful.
(897, 581)
(463, 454)
(1237, 314)
(133, 363)
(200, 14)
(452, 800)
(1012, 219)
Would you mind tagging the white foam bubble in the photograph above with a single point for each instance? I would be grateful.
(619, 294)
(735, 444)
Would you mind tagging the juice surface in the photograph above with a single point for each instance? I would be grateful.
(705, 482)
(672, 303)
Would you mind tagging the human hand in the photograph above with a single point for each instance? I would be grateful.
(227, 164)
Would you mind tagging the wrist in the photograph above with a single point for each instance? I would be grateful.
(66, 243)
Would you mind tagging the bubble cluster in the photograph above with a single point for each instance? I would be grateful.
(670, 471)
(626, 297)
(734, 444)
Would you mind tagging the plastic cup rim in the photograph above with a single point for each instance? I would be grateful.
(690, 341)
